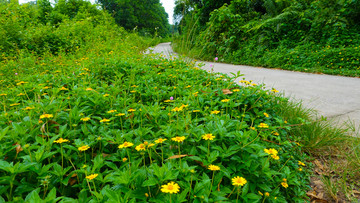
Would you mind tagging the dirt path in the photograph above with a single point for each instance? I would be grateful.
(334, 97)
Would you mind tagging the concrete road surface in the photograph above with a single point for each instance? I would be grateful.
(334, 97)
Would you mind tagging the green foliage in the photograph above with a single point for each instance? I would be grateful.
(146, 16)
(127, 98)
(74, 92)
(313, 36)
(137, 98)
(31, 29)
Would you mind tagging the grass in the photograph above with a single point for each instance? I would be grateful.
(335, 150)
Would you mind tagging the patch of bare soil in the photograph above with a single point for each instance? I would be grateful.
(329, 186)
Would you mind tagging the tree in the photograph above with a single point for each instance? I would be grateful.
(147, 16)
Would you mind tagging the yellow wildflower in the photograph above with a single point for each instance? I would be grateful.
(46, 116)
(85, 119)
(125, 145)
(274, 90)
(276, 157)
(271, 151)
(284, 184)
(84, 148)
(263, 125)
(92, 176)
(140, 147)
(275, 133)
(160, 140)
(213, 167)
(208, 137)
(176, 109)
(178, 139)
(170, 188)
(104, 120)
(238, 181)
(225, 100)
(301, 163)
(215, 112)
(61, 140)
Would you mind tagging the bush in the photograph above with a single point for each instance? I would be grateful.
(301, 36)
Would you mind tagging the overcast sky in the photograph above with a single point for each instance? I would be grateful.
(168, 5)
(169, 8)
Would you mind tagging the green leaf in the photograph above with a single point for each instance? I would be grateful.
(2, 200)
(51, 196)
(264, 187)
(182, 196)
(253, 196)
(98, 163)
(4, 165)
(3, 132)
(33, 196)
(245, 189)
(204, 149)
(111, 165)
(150, 182)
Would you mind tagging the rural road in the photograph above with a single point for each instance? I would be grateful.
(334, 97)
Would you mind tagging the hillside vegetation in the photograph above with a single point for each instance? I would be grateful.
(319, 36)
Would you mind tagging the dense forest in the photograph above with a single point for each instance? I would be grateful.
(305, 35)
(148, 16)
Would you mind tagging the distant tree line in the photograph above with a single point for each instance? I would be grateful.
(146, 16)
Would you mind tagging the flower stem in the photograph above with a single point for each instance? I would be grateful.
(208, 152)
(237, 196)
(162, 155)
(179, 154)
(62, 156)
(231, 192)
(212, 181)
(129, 161)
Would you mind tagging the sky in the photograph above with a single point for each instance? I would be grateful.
(169, 8)
(167, 4)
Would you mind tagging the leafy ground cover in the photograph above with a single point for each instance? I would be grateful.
(105, 123)
(86, 117)
(116, 126)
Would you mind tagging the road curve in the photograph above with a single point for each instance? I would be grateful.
(334, 97)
